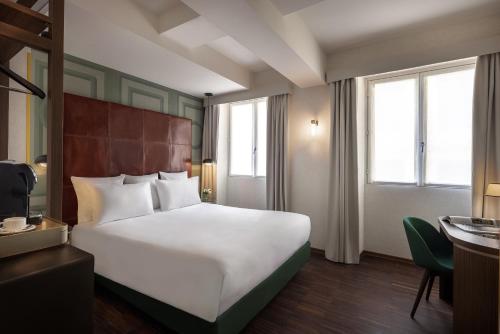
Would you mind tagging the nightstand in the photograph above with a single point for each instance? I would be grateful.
(47, 291)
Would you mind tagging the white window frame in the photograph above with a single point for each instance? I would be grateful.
(254, 103)
(421, 117)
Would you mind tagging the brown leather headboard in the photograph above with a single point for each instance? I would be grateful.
(107, 139)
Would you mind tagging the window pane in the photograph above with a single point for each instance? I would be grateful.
(449, 127)
(261, 137)
(393, 131)
(241, 147)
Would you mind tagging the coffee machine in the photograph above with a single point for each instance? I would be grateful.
(16, 183)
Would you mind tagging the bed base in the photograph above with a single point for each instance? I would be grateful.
(231, 321)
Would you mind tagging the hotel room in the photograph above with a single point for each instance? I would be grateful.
(249, 166)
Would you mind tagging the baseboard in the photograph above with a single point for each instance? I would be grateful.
(317, 251)
(386, 257)
(321, 252)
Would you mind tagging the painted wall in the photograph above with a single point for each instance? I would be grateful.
(222, 154)
(309, 158)
(386, 205)
(17, 110)
(436, 43)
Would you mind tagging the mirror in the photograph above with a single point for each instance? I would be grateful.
(27, 122)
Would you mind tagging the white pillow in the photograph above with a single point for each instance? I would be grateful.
(84, 197)
(132, 179)
(174, 176)
(121, 201)
(178, 194)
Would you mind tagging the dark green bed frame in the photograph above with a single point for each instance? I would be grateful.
(231, 321)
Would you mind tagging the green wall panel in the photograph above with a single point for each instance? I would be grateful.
(88, 79)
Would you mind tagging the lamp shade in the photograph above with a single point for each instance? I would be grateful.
(41, 160)
(493, 190)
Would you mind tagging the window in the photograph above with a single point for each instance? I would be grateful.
(420, 127)
(248, 131)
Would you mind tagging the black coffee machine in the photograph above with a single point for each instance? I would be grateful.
(16, 183)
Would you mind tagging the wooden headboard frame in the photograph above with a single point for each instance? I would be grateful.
(107, 139)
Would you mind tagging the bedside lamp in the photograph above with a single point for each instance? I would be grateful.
(40, 165)
(209, 180)
(41, 160)
(493, 190)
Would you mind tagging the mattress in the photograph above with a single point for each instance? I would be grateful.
(200, 259)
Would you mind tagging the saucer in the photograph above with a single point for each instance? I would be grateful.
(4, 231)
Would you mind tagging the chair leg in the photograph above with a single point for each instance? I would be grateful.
(421, 290)
(429, 287)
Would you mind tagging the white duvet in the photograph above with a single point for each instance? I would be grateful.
(201, 259)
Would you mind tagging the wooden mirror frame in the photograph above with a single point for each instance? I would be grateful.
(20, 27)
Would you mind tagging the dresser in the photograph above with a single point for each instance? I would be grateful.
(47, 291)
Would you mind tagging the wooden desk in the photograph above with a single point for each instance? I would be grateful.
(475, 281)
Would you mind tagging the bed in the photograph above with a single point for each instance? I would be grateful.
(201, 260)
(204, 268)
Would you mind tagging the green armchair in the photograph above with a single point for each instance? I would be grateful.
(430, 250)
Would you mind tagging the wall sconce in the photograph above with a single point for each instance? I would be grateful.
(314, 127)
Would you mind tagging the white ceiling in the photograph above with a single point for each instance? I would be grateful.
(339, 24)
(156, 6)
(291, 6)
(199, 31)
(217, 46)
(194, 33)
(230, 48)
(92, 38)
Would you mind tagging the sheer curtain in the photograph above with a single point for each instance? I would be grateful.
(486, 135)
(342, 244)
(276, 167)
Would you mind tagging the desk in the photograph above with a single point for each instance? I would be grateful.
(475, 281)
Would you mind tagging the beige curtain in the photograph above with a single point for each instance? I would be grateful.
(209, 151)
(210, 132)
(342, 244)
(276, 171)
(486, 135)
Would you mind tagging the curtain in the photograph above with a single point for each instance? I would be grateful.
(486, 135)
(210, 133)
(209, 153)
(342, 240)
(276, 167)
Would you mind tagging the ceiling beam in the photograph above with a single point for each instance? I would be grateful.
(174, 17)
(291, 6)
(127, 15)
(9, 47)
(283, 42)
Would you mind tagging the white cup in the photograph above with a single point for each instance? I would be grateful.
(14, 223)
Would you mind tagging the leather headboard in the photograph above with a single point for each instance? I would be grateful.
(108, 139)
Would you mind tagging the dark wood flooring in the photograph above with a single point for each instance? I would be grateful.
(373, 297)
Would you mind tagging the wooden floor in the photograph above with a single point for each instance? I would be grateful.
(373, 297)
